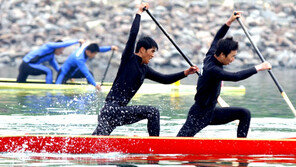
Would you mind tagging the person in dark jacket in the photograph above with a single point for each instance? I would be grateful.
(132, 71)
(204, 111)
(32, 62)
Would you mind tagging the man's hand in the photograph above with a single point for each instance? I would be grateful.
(141, 8)
(191, 70)
(81, 41)
(233, 17)
(114, 47)
(263, 66)
(98, 87)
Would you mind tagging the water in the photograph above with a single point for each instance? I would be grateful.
(59, 113)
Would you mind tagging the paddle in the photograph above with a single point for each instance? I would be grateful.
(104, 76)
(220, 100)
(172, 41)
(286, 98)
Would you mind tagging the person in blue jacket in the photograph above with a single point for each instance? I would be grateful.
(32, 62)
(75, 67)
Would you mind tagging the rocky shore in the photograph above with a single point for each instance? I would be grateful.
(27, 24)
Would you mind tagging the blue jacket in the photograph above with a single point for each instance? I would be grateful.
(77, 60)
(46, 53)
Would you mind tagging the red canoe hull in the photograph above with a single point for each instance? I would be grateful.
(146, 145)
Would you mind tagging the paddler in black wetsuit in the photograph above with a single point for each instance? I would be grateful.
(132, 71)
(204, 111)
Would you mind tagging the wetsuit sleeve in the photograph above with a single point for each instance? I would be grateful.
(220, 34)
(56, 45)
(130, 45)
(105, 48)
(83, 68)
(233, 76)
(54, 64)
(164, 78)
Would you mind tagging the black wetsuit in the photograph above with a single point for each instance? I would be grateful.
(204, 111)
(130, 76)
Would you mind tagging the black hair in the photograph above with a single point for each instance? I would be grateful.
(59, 40)
(93, 47)
(146, 42)
(226, 46)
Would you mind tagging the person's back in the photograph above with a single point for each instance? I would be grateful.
(129, 78)
(75, 66)
(32, 62)
(39, 55)
(207, 86)
(71, 61)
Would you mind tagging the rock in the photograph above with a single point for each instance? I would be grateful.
(244, 55)
(192, 25)
(159, 60)
(237, 63)
(175, 63)
(292, 61)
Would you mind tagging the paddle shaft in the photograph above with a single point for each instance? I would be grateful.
(269, 71)
(172, 41)
(104, 76)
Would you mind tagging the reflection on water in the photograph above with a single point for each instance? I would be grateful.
(76, 114)
(117, 159)
(42, 102)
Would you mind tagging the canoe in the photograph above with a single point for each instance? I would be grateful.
(81, 86)
(146, 145)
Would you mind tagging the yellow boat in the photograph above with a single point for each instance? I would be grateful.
(81, 86)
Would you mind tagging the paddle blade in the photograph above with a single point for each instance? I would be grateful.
(221, 102)
(289, 102)
(178, 83)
